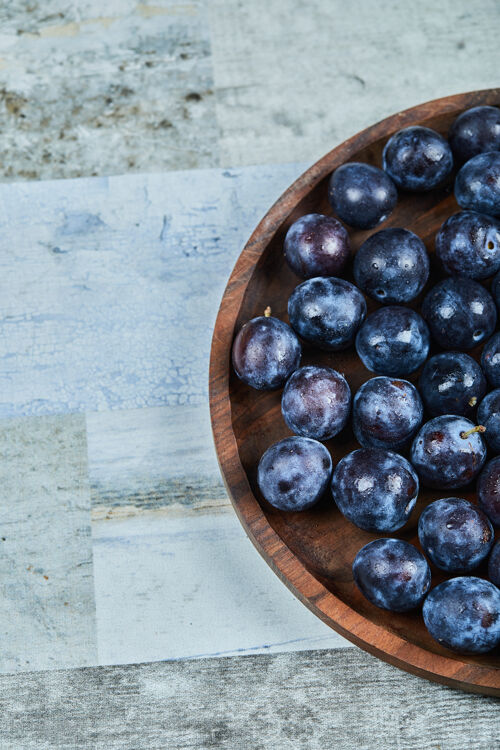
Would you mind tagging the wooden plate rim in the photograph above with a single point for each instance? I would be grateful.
(376, 639)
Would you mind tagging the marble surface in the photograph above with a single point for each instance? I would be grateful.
(87, 89)
(47, 608)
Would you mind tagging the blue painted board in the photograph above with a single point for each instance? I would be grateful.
(110, 286)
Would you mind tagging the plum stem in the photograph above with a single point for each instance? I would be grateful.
(478, 428)
(267, 312)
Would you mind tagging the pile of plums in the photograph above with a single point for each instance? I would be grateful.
(376, 487)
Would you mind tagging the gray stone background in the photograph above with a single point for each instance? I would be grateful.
(117, 542)
(100, 88)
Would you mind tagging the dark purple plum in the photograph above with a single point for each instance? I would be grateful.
(490, 360)
(392, 574)
(494, 565)
(392, 266)
(455, 535)
(447, 453)
(495, 289)
(393, 341)
(265, 353)
(386, 413)
(317, 245)
(451, 383)
(417, 158)
(475, 131)
(477, 185)
(293, 474)
(464, 614)
(327, 312)
(316, 402)
(488, 490)
(375, 489)
(361, 195)
(460, 313)
(488, 415)
(468, 244)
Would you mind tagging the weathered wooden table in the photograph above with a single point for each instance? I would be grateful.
(134, 613)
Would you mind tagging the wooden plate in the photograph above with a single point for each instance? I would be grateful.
(312, 551)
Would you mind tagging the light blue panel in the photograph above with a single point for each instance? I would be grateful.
(174, 586)
(152, 457)
(110, 286)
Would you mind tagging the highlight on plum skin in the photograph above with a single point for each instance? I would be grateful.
(417, 159)
(392, 266)
(494, 565)
(455, 534)
(361, 195)
(475, 131)
(460, 313)
(294, 473)
(316, 402)
(477, 184)
(317, 245)
(488, 415)
(386, 413)
(488, 490)
(392, 574)
(393, 341)
(463, 614)
(265, 353)
(451, 383)
(375, 489)
(490, 360)
(327, 312)
(468, 244)
(448, 452)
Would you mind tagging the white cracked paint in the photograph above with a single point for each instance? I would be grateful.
(111, 286)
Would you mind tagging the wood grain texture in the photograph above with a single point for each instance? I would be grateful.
(175, 584)
(313, 551)
(312, 700)
(47, 610)
(88, 89)
(148, 458)
(291, 90)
